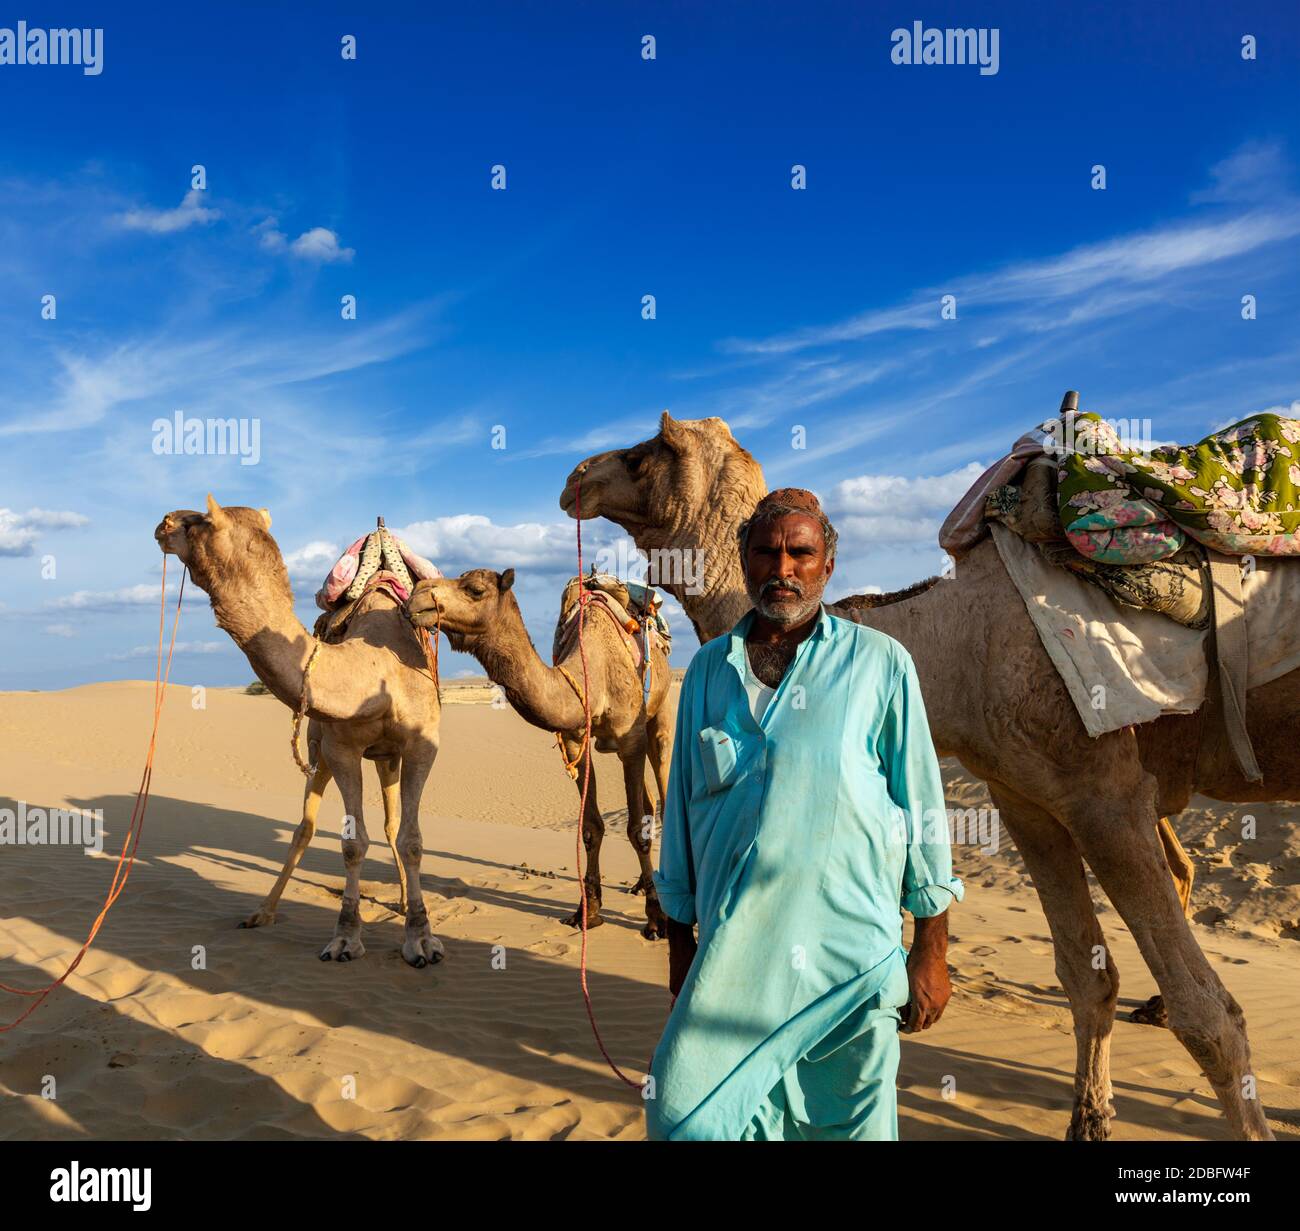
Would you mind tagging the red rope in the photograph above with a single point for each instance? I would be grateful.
(582, 807)
(126, 859)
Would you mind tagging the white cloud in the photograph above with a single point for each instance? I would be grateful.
(312, 562)
(166, 221)
(318, 244)
(893, 509)
(142, 595)
(19, 531)
(182, 647)
(60, 630)
(470, 540)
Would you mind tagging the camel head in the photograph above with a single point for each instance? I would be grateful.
(660, 485)
(221, 544)
(463, 607)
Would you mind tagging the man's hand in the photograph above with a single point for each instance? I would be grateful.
(681, 953)
(927, 974)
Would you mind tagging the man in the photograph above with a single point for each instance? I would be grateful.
(801, 745)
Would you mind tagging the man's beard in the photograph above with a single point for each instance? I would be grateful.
(791, 609)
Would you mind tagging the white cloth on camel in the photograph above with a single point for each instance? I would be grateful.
(1146, 663)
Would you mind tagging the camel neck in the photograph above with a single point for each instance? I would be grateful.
(539, 694)
(261, 620)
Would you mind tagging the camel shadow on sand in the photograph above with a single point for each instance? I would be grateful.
(522, 1021)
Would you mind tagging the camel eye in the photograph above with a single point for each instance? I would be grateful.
(475, 591)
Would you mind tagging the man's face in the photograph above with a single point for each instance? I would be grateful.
(786, 569)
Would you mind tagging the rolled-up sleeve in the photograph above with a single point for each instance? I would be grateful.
(675, 877)
(916, 786)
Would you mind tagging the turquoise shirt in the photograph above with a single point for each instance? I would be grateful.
(794, 843)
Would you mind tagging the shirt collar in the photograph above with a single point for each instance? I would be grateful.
(736, 651)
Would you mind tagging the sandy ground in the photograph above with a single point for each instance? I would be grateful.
(263, 1040)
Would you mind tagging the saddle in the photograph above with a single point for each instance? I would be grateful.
(633, 607)
(1196, 584)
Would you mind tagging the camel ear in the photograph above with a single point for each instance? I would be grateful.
(507, 580)
(216, 514)
(672, 433)
(266, 517)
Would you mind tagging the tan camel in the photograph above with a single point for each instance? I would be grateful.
(996, 703)
(369, 697)
(480, 615)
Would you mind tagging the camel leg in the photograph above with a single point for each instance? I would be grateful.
(346, 942)
(420, 947)
(1180, 864)
(1126, 856)
(265, 914)
(1091, 982)
(640, 831)
(390, 773)
(593, 833)
(1153, 1012)
(659, 741)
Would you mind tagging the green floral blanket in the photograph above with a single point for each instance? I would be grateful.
(1236, 491)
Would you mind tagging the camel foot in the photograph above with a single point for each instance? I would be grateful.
(1090, 1124)
(260, 918)
(422, 949)
(1153, 1013)
(575, 920)
(342, 949)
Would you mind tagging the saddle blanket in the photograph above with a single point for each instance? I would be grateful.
(1147, 664)
(1236, 491)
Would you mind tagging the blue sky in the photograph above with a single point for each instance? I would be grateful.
(522, 308)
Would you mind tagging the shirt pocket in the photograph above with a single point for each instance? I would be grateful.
(721, 758)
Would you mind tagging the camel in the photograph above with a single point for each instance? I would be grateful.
(480, 615)
(996, 703)
(369, 697)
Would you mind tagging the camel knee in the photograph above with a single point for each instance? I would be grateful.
(1213, 1029)
(412, 849)
(354, 851)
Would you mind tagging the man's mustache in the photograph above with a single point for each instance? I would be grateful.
(776, 583)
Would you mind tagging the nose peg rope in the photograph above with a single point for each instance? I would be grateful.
(126, 858)
(582, 806)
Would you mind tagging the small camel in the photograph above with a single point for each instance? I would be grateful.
(997, 704)
(369, 697)
(480, 615)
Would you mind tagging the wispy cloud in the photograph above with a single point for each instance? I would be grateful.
(183, 648)
(233, 364)
(1119, 267)
(189, 213)
(1256, 171)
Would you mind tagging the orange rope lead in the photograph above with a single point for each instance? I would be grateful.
(126, 859)
(582, 812)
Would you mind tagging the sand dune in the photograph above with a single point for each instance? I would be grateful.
(263, 1040)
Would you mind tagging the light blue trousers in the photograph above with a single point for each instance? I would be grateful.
(849, 1093)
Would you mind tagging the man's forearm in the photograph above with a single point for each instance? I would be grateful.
(931, 935)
